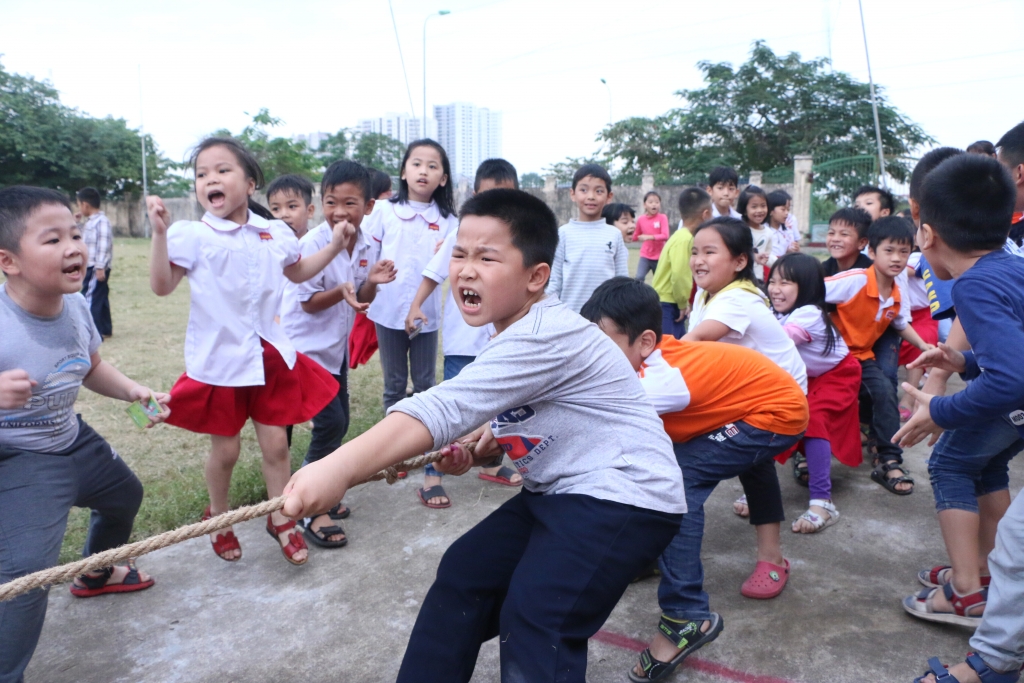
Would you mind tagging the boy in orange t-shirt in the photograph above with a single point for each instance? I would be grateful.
(729, 411)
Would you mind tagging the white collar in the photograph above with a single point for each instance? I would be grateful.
(224, 225)
(431, 214)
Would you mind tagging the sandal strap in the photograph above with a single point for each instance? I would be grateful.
(94, 582)
(987, 674)
(652, 667)
(295, 543)
(679, 632)
(822, 503)
(962, 603)
(290, 524)
(326, 531)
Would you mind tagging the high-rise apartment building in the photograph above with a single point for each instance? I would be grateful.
(401, 127)
(469, 135)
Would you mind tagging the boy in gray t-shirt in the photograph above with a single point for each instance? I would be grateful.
(603, 494)
(50, 459)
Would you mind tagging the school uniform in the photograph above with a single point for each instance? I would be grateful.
(920, 312)
(744, 310)
(862, 316)
(408, 234)
(763, 238)
(239, 363)
(728, 411)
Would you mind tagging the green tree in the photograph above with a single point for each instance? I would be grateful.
(379, 151)
(531, 180)
(564, 170)
(758, 116)
(43, 142)
(334, 148)
(277, 155)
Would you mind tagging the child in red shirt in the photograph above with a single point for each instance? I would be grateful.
(652, 230)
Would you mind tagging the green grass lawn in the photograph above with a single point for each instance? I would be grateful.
(148, 342)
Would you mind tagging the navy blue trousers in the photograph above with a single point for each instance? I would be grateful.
(544, 573)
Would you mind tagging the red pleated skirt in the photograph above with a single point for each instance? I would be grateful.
(286, 397)
(362, 342)
(927, 327)
(834, 412)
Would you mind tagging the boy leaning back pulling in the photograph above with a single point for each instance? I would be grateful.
(966, 205)
(51, 348)
(545, 570)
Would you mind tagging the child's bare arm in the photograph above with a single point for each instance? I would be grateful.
(381, 272)
(426, 288)
(321, 301)
(319, 485)
(307, 267)
(164, 276)
(107, 380)
(708, 330)
(910, 335)
(348, 292)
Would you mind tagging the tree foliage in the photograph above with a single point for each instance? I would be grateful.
(564, 170)
(45, 143)
(277, 156)
(531, 180)
(378, 151)
(758, 116)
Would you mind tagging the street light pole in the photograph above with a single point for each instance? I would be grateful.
(874, 102)
(439, 13)
(609, 100)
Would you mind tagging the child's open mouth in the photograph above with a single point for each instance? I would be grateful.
(216, 198)
(73, 270)
(470, 299)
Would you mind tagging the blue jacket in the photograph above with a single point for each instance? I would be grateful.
(989, 300)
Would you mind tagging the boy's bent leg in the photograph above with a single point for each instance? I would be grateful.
(394, 362)
(423, 361)
(330, 424)
(108, 487)
(460, 611)
(887, 355)
(581, 556)
(999, 639)
(36, 492)
(885, 415)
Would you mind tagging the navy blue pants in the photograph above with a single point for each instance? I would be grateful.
(98, 295)
(669, 313)
(331, 424)
(544, 573)
(36, 492)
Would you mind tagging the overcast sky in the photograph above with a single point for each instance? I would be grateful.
(951, 66)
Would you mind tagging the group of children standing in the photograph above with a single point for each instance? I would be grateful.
(748, 350)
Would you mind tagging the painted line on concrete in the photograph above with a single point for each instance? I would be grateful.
(627, 643)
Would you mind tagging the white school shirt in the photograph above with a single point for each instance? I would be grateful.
(458, 338)
(234, 275)
(323, 336)
(763, 240)
(408, 235)
(751, 324)
(782, 239)
(914, 287)
(714, 212)
(808, 318)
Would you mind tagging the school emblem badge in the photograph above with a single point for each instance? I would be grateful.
(434, 226)
(266, 236)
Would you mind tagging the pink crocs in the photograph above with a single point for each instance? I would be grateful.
(766, 582)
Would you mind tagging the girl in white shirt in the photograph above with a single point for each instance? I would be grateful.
(796, 286)
(753, 207)
(785, 238)
(728, 307)
(410, 229)
(239, 364)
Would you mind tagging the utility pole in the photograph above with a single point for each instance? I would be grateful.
(874, 101)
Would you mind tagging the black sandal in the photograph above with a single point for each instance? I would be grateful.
(320, 536)
(800, 472)
(881, 475)
(686, 636)
(339, 511)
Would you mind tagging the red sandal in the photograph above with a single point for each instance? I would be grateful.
(223, 541)
(295, 540)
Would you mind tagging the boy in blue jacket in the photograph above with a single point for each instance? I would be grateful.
(966, 208)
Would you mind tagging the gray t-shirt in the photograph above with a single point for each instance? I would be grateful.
(571, 413)
(588, 253)
(56, 353)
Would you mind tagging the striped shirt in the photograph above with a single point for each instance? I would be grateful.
(588, 253)
(99, 240)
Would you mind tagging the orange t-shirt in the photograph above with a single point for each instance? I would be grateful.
(698, 387)
(861, 316)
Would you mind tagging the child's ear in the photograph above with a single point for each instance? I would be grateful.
(926, 237)
(741, 263)
(310, 210)
(9, 262)
(915, 211)
(861, 243)
(648, 341)
(539, 276)
(611, 195)
(369, 207)
(444, 180)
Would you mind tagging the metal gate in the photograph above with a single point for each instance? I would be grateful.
(833, 183)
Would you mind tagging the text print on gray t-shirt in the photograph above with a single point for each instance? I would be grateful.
(56, 353)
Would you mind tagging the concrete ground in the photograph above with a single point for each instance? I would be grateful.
(347, 614)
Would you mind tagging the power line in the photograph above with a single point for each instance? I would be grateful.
(412, 109)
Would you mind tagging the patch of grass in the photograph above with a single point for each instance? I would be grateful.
(148, 343)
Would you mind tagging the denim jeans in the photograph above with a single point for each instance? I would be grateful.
(36, 492)
(972, 461)
(644, 266)
(887, 354)
(706, 460)
(999, 639)
(879, 409)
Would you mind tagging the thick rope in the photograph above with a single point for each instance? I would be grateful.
(68, 572)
